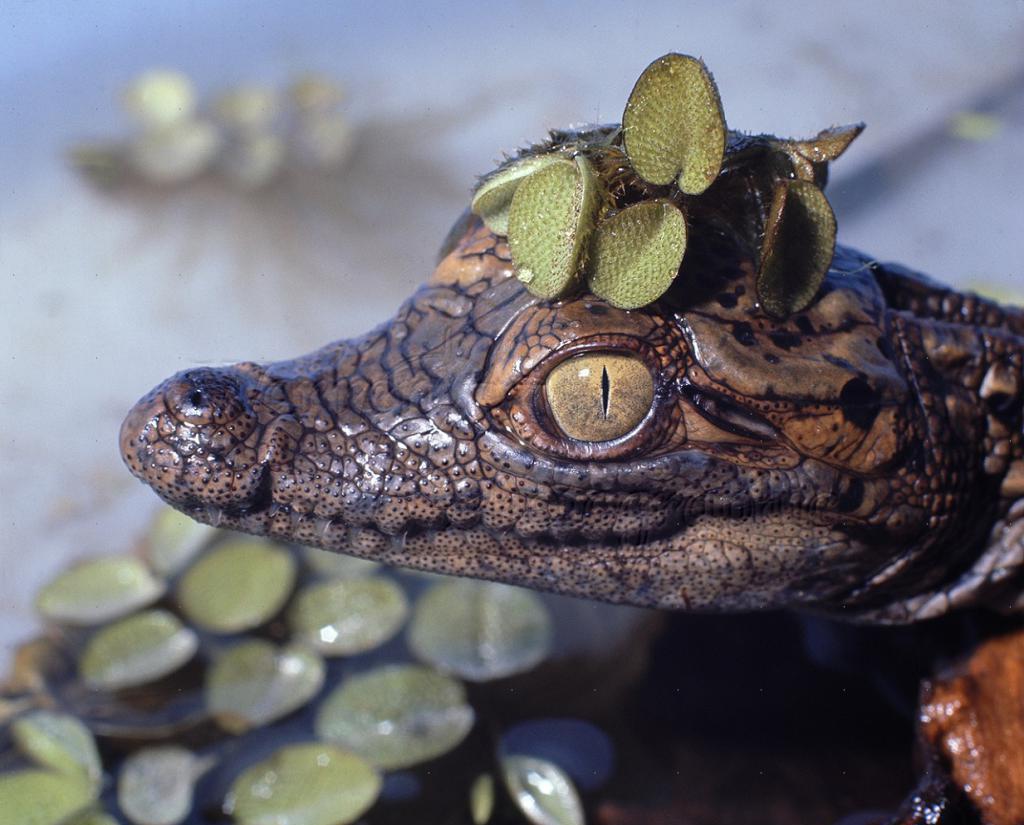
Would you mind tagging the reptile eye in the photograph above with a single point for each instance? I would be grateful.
(204, 396)
(599, 396)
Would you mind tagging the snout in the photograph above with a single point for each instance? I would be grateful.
(187, 439)
(139, 433)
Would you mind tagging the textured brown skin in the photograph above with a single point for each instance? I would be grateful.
(862, 457)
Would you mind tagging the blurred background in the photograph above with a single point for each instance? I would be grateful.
(329, 148)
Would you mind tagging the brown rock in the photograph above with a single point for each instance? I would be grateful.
(972, 720)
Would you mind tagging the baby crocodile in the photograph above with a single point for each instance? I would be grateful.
(861, 457)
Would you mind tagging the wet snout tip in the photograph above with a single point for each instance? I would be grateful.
(132, 436)
(202, 412)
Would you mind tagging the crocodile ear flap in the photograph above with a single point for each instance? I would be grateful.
(811, 157)
(799, 241)
(828, 144)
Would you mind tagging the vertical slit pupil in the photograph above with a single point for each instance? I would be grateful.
(605, 391)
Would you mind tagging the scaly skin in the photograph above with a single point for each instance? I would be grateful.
(862, 457)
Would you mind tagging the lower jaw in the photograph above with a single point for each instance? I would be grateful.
(681, 571)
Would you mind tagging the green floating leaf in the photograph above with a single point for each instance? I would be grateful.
(396, 716)
(550, 220)
(155, 785)
(481, 799)
(58, 741)
(43, 797)
(99, 590)
(337, 565)
(160, 98)
(348, 616)
(493, 197)
(636, 254)
(136, 651)
(174, 540)
(176, 153)
(542, 791)
(237, 586)
(480, 630)
(673, 126)
(799, 241)
(313, 784)
(255, 683)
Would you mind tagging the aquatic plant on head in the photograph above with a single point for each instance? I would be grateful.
(609, 209)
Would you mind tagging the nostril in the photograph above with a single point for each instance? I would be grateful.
(204, 396)
(188, 401)
(194, 406)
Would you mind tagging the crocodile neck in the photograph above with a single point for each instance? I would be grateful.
(963, 356)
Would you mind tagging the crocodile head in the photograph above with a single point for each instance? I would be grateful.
(694, 453)
(785, 423)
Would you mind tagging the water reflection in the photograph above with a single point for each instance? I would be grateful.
(695, 719)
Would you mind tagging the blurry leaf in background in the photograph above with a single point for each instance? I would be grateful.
(396, 716)
(255, 683)
(154, 786)
(140, 649)
(98, 590)
(310, 784)
(480, 630)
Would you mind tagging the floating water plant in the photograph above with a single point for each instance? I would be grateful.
(137, 650)
(60, 742)
(493, 197)
(237, 586)
(673, 127)
(98, 590)
(39, 797)
(250, 137)
(155, 785)
(308, 784)
(162, 687)
(480, 630)
(637, 253)
(396, 716)
(348, 616)
(542, 791)
(611, 209)
(799, 239)
(174, 540)
(549, 222)
(255, 683)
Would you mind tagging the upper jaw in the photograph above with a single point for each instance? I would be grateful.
(193, 468)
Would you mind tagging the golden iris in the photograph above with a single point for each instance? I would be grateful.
(599, 396)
